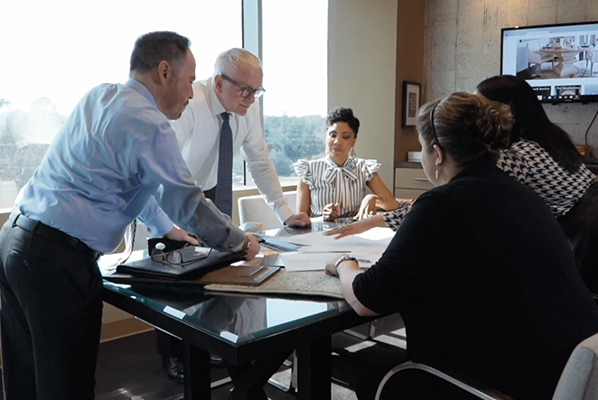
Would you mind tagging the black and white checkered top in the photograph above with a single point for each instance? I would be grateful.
(531, 165)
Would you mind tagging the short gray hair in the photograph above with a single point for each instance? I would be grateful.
(228, 61)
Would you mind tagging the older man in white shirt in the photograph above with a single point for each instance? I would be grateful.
(233, 89)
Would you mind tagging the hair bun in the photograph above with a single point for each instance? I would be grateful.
(495, 122)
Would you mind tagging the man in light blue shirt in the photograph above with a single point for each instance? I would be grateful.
(115, 155)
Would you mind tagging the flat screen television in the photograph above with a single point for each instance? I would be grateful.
(559, 61)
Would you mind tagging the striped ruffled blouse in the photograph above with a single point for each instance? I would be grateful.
(329, 183)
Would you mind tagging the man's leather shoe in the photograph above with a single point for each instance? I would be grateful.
(174, 368)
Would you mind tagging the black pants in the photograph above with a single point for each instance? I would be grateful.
(580, 225)
(50, 318)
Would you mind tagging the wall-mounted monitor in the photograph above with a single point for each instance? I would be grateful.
(559, 61)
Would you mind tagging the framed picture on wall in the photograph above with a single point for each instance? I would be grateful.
(411, 99)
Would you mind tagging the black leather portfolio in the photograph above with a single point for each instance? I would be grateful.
(191, 264)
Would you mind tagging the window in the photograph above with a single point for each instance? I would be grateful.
(295, 39)
(55, 61)
(54, 52)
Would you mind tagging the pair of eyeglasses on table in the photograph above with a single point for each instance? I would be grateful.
(174, 252)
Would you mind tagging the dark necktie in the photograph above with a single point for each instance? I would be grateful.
(224, 187)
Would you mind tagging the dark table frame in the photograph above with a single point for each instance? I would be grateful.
(250, 364)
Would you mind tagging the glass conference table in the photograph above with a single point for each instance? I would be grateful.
(253, 334)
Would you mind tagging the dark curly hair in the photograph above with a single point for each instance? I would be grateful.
(343, 114)
(471, 130)
(152, 48)
(531, 121)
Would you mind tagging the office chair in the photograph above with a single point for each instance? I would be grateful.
(255, 209)
(578, 381)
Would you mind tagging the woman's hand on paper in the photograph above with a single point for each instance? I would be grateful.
(330, 211)
(357, 227)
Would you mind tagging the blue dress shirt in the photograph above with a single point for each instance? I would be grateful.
(115, 155)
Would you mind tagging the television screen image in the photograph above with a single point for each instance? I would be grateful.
(556, 60)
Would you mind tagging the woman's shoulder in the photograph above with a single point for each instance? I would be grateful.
(301, 167)
(526, 145)
(522, 153)
(306, 168)
(367, 164)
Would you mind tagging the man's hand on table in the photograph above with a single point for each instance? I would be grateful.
(180, 235)
(253, 247)
(300, 220)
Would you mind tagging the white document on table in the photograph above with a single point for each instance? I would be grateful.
(318, 249)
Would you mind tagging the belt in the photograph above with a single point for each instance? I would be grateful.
(52, 234)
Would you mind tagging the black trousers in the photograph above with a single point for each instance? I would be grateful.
(50, 318)
(580, 225)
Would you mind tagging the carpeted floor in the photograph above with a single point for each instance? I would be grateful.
(130, 369)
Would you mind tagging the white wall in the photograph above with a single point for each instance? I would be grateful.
(463, 48)
(361, 73)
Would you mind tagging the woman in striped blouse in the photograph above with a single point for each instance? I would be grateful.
(334, 186)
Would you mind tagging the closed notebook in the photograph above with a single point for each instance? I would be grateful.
(249, 275)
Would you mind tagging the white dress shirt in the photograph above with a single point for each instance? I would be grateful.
(198, 133)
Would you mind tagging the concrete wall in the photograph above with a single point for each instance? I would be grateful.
(361, 73)
(462, 48)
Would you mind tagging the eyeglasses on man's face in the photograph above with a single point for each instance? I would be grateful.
(246, 91)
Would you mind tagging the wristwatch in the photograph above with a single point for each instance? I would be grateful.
(344, 257)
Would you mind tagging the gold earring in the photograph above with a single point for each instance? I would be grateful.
(353, 153)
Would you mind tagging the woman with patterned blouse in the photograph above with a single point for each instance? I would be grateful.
(543, 157)
(334, 186)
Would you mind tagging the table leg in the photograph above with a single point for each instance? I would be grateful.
(196, 363)
(566, 65)
(249, 379)
(314, 370)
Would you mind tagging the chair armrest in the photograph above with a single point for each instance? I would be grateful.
(469, 385)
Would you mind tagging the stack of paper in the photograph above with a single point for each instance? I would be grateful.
(318, 249)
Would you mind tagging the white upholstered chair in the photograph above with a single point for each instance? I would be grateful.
(579, 380)
(592, 57)
(255, 209)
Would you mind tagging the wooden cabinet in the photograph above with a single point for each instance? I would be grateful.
(410, 182)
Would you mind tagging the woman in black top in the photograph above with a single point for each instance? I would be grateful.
(542, 156)
(480, 270)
